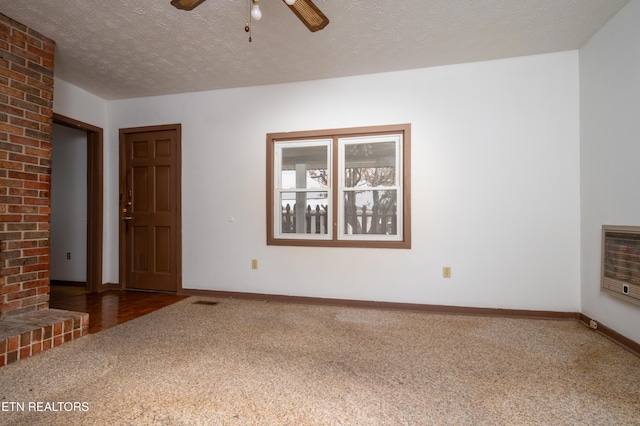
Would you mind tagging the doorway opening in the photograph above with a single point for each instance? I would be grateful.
(68, 239)
(93, 154)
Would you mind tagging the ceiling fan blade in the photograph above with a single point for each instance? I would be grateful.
(186, 4)
(309, 14)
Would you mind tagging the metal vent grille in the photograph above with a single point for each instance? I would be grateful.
(621, 262)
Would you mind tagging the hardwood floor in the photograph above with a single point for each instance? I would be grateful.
(60, 292)
(110, 308)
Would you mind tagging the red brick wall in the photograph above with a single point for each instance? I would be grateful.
(26, 101)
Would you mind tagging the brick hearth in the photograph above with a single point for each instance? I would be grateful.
(29, 334)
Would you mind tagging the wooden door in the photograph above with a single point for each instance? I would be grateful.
(150, 238)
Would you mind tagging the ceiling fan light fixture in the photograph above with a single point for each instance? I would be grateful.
(305, 10)
(186, 4)
(256, 13)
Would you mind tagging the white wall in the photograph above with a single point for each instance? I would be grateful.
(76, 103)
(610, 149)
(495, 179)
(69, 204)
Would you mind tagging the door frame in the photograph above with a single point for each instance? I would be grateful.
(122, 243)
(95, 177)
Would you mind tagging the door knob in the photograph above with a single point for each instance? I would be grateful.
(126, 218)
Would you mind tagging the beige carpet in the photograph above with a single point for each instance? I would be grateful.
(257, 363)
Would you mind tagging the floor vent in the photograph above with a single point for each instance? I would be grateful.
(621, 262)
(205, 302)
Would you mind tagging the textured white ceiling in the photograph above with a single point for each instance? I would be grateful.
(131, 48)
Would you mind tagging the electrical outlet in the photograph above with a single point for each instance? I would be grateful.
(593, 324)
(254, 263)
(446, 272)
(68, 256)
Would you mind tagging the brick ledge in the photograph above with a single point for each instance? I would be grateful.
(28, 334)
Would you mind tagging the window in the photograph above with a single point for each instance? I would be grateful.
(344, 188)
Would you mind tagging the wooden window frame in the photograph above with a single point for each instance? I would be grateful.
(335, 135)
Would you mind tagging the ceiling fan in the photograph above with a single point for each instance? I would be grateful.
(305, 10)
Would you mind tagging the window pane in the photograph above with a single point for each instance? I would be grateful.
(304, 167)
(370, 164)
(340, 187)
(370, 212)
(303, 212)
